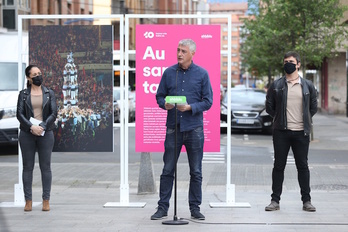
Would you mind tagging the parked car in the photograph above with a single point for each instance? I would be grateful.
(9, 86)
(131, 98)
(117, 104)
(116, 98)
(247, 110)
(222, 92)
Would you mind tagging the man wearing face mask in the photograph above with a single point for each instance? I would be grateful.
(292, 102)
(36, 113)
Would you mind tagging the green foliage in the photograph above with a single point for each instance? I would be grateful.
(313, 28)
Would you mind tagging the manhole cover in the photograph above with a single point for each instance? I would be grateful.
(329, 187)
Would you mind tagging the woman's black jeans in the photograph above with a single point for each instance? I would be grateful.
(299, 143)
(29, 144)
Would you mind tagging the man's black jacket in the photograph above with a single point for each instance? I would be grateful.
(276, 102)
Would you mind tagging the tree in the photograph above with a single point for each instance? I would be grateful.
(313, 28)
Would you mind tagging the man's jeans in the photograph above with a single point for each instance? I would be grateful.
(193, 141)
(282, 141)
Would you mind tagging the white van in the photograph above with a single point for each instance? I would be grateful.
(9, 85)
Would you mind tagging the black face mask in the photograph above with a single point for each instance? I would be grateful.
(37, 80)
(289, 67)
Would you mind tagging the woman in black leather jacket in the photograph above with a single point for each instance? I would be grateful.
(36, 113)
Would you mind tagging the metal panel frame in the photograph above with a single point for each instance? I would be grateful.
(230, 188)
(18, 188)
(124, 124)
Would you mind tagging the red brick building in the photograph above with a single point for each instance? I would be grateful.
(237, 11)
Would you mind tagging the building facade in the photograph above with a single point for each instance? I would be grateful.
(10, 9)
(238, 12)
(61, 7)
(178, 7)
(333, 79)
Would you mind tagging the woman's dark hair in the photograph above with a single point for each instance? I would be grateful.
(27, 72)
(27, 69)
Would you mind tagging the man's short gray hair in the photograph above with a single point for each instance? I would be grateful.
(189, 43)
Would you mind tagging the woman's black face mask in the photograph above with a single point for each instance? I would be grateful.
(37, 80)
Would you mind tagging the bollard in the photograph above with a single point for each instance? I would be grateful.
(146, 183)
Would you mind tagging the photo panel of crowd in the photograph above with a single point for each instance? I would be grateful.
(76, 62)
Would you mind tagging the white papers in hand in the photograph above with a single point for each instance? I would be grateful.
(36, 122)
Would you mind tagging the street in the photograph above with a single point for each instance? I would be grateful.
(251, 152)
(84, 182)
(247, 147)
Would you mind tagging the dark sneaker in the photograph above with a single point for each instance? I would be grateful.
(160, 214)
(273, 206)
(307, 206)
(195, 214)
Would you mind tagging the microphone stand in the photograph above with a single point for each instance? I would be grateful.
(175, 220)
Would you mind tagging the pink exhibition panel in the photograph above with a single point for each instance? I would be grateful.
(156, 47)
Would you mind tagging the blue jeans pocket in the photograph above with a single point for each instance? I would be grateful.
(170, 130)
(199, 129)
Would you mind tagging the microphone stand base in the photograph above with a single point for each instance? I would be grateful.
(175, 222)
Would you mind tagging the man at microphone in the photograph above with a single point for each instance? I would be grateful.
(192, 81)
